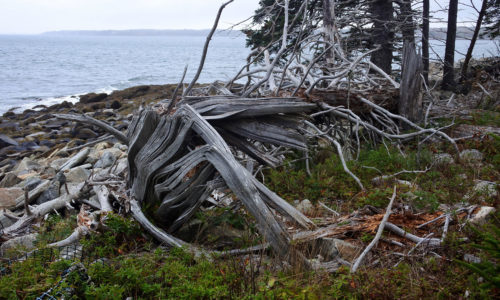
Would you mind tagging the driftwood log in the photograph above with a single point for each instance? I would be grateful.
(177, 160)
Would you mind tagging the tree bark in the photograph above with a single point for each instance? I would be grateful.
(449, 54)
(425, 40)
(382, 35)
(410, 100)
(406, 19)
(329, 28)
(468, 56)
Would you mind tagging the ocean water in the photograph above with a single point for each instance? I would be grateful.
(47, 69)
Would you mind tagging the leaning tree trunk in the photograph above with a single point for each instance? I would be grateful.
(449, 54)
(468, 56)
(382, 35)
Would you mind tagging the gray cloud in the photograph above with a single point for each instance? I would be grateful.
(35, 16)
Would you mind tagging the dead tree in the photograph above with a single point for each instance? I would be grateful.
(449, 54)
(468, 56)
(410, 99)
(425, 40)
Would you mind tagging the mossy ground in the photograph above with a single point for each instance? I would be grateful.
(137, 267)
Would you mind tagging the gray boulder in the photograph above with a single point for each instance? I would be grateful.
(6, 141)
(9, 180)
(31, 182)
(107, 160)
(77, 174)
(471, 156)
(482, 215)
(488, 189)
(443, 159)
(305, 206)
(49, 194)
(8, 196)
(24, 243)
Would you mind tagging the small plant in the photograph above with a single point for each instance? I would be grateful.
(488, 268)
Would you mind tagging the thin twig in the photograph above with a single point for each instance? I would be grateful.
(358, 261)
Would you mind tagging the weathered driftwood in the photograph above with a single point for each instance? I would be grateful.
(40, 211)
(75, 160)
(177, 160)
(89, 120)
(32, 195)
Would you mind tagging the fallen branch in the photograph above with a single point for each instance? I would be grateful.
(381, 227)
(91, 121)
(395, 229)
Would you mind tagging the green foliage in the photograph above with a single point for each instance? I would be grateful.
(30, 278)
(491, 23)
(487, 118)
(122, 235)
(55, 228)
(488, 268)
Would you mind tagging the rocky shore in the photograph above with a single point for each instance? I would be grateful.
(37, 148)
(36, 132)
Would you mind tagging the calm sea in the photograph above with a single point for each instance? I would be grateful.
(46, 69)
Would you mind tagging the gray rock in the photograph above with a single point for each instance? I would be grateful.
(305, 206)
(8, 196)
(49, 194)
(58, 163)
(26, 165)
(5, 220)
(471, 156)
(121, 166)
(488, 189)
(443, 159)
(31, 182)
(471, 258)
(482, 215)
(6, 141)
(121, 147)
(107, 159)
(25, 242)
(85, 133)
(9, 180)
(77, 174)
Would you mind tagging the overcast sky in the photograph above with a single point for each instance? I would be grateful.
(36, 16)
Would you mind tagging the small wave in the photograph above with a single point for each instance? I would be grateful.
(37, 103)
(107, 90)
(141, 78)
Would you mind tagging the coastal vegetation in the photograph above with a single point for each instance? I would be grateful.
(327, 175)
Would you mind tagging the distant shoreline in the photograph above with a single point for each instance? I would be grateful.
(438, 33)
(141, 32)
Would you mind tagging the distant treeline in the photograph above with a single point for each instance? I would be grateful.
(434, 33)
(143, 32)
(463, 33)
